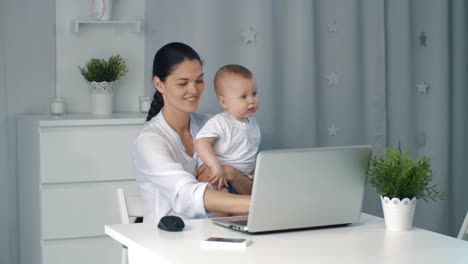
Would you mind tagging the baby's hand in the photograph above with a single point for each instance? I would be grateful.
(217, 178)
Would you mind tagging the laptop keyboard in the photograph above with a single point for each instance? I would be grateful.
(239, 222)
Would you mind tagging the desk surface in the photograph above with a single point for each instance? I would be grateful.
(363, 242)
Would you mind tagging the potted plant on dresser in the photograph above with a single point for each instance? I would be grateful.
(101, 75)
(400, 181)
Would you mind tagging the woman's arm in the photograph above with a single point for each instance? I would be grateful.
(178, 190)
(241, 183)
(226, 202)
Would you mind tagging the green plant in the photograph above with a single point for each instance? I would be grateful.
(100, 70)
(395, 175)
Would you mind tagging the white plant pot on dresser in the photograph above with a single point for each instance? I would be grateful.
(68, 170)
(102, 97)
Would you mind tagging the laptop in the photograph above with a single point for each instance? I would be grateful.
(305, 188)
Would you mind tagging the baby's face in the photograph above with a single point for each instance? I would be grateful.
(239, 96)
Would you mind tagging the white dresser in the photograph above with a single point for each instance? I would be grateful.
(68, 169)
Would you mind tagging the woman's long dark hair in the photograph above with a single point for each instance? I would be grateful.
(164, 63)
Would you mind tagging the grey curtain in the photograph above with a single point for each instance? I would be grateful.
(341, 72)
(426, 44)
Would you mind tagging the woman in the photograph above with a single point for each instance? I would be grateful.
(164, 154)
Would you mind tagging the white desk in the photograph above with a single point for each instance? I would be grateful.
(364, 242)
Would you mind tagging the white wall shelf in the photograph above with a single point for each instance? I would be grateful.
(135, 26)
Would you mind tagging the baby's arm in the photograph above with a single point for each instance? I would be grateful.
(204, 147)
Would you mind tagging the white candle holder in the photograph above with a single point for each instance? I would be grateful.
(145, 103)
(56, 106)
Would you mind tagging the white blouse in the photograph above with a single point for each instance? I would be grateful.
(166, 174)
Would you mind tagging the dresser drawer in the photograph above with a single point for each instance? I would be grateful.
(80, 209)
(87, 153)
(83, 250)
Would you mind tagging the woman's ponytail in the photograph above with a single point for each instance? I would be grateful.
(156, 105)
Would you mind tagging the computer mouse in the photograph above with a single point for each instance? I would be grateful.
(171, 223)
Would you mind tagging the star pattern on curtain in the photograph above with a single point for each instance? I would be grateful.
(422, 39)
(333, 79)
(421, 138)
(332, 130)
(422, 87)
(332, 27)
(248, 36)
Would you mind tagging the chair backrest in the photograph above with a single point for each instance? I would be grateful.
(129, 206)
(464, 229)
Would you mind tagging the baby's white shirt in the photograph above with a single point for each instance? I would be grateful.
(236, 142)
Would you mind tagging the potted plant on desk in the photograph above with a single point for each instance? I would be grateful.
(101, 75)
(400, 181)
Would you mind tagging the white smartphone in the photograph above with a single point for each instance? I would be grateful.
(224, 243)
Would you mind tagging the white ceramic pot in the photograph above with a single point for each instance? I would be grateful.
(398, 213)
(102, 97)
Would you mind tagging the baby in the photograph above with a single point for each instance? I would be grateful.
(233, 136)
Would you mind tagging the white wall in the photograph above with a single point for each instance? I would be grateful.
(27, 81)
(99, 41)
(27, 58)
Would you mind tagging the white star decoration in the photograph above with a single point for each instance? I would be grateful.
(332, 27)
(332, 131)
(248, 36)
(422, 87)
(333, 78)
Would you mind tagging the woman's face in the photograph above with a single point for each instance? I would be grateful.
(183, 88)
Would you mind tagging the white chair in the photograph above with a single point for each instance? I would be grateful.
(130, 206)
(464, 229)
